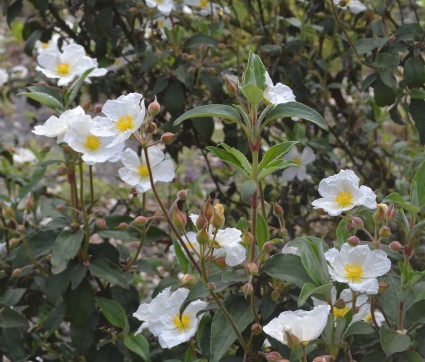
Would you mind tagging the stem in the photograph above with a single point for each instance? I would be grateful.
(263, 206)
(400, 316)
(71, 181)
(36, 264)
(142, 233)
(83, 208)
(253, 225)
(304, 352)
(257, 320)
(91, 187)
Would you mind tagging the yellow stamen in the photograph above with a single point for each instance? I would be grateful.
(117, 62)
(181, 323)
(92, 143)
(161, 23)
(124, 123)
(143, 171)
(368, 318)
(63, 68)
(344, 198)
(203, 3)
(354, 272)
(340, 312)
(297, 160)
(45, 45)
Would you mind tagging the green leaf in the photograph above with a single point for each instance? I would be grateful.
(247, 189)
(414, 72)
(253, 94)
(275, 152)
(287, 267)
(387, 63)
(393, 342)
(10, 318)
(12, 296)
(311, 262)
(420, 184)
(384, 95)
(112, 311)
(276, 165)
(310, 289)
(200, 39)
(45, 95)
(415, 314)
(341, 233)
(72, 92)
(255, 72)
(262, 231)
(366, 45)
(417, 110)
(228, 158)
(222, 334)
(398, 200)
(409, 31)
(183, 262)
(210, 110)
(104, 269)
(138, 344)
(65, 248)
(295, 109)
(359, 328)
(240, 156)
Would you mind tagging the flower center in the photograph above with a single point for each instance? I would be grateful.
(368, 318)
(340, 312)
(203, 3)
(45, 45)
(297, 160)
(92, 143)
(124, 123)
(63, 68)
(344, 198)
(181, 323)
(117, 62)
(354, 272)
(161, 23)
(143, 171)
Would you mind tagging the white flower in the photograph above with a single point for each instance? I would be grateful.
(124, 116)
(121, 62)
(135, 173)
(294, 250)
(4, 77)
(277, 94)
(19, 72)
(94, 148)
(51, 44)
(365, 315)
(303, 159)
(164, 6)
(341, 192)
(358, 266)
(355, 6)
(24, 155)
(59, 127)
(204, 7)
(227, 243)
(162, 23)
(162, 317)
(67, 65)
(306, 326)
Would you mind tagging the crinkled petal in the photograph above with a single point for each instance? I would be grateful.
(164, 172)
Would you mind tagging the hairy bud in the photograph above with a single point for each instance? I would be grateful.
(275, 295)
(182, 194)
(385, 232)
(396, 246)
(253, 268)
(211, 286)
(178, 218)
(220, 262)
(247, 289)
(248, 238)
(188, 281)
(168, 138)
(357, 222)
(8, 212)
(60, 208)
(139, 220)
(218, 217)
(380, 213)
(230, 86)
(268, 246)
(391, 213)
(353, 241)
(123, 226)
(277, 210)
(256, 329)
(151, 127)
(154, 108)
(202, 236)
(101, 223)
(98, 108)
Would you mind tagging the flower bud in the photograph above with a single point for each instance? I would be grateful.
(211, 70)
(154, 108)
(247, 289)
(188, 281)
(353, 241)
(201, 222)
(178, 218)
(382, 287)
(101, 223)
(268, 246)
(385, 232)
(8, 212)
(168, 138)
(185, 55)
(98, 108)
(283, 232)
(321, 211)
(203, 236)
(139, 220)
(339, 303)
(123, 226)
(151, 127)
(14, 242)
(277, 210)
(380, 213)
(133, 191)
(62, 171)
(60, 208)
(45, 149)
(256, 329)
(191, 69)
(292, 340)
(248, 238)
(211, 286)
(158, 53)
(209, 212)
(216, 59)
(221, 45)
(182, 194)
(133, 10)
(253, 268)
(324, 358)
(230, 86)
(273, 356)
(16, 272)
(349, 227)
(220, 262)
(391, 213)
(49, 256)
(357, 222)
(275, 295)
(396, 246)
(218, 217)
(20, 228)
(29, 203)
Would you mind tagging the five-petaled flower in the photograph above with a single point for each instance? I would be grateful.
(358, 266)
(277, 94)
(303, 159)
(341, 192)
(164, 6)
(162, 317)
(355, 6)
(302, 324)
(135, 171)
